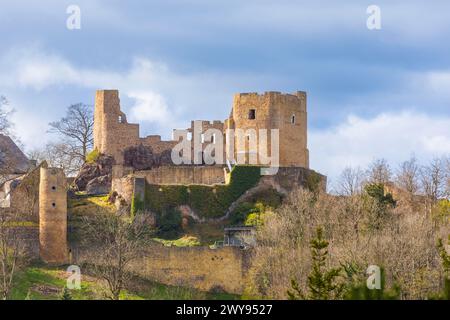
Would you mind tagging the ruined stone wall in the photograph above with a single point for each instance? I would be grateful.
(273, 110)
(286, 179)
(53, 216)
(124, 186)
(24, 198)
(202, 268)
(183, 175)
(175, 175)
(112, 132)
(158, 145)
(198, 267)
(199, 135)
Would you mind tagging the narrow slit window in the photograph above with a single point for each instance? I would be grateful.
(252, 114)
(293, 119)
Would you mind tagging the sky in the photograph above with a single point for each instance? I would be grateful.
(371, 93)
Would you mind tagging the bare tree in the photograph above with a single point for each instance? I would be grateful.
(5, 123)
(379, 172)
(447, 177)
(76, 129)
(407, 176)
(351, 181)
(58, 155)
(114, 242)
(12, 246)
(433, 179)
(12, 251)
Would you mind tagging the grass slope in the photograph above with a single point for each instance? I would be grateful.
(40, 282)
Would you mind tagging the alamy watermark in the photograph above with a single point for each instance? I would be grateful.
(73, 22)
(374, 19)
(236, 146)
(374, 279)
(74, 278)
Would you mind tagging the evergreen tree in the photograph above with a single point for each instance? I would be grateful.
(65, 295)
(376, 191)
(360, 291)
(322, 282)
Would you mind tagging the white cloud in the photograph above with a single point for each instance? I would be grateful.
(150, 107)
(393, 136)
(143, 82)
(42, 83)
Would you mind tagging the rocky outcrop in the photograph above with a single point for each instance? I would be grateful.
(143, 158)
(95, 177)
(92, 174)
(99, 185)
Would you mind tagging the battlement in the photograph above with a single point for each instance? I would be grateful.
(284, 112)
(272, 94)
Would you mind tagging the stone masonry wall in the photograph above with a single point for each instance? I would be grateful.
(53, 216)
(112, 132)
(183, 175)
(202, 268)
(178, 175)
(198, 267)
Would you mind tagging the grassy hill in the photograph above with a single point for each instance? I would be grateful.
(40, 282)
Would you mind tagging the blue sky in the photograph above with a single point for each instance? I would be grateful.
(380, 93)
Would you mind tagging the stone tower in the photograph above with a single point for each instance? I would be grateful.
(53, 216)
(112, 132)
(273, 110)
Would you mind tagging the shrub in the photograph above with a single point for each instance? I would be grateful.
(92, 156)
(136, 205)
(376, 191)
(239, 215)
(169, 223)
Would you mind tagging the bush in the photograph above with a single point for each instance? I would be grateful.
(92, 156)
(169, 223)
(376, 191)
(136, 205)
(239, 215)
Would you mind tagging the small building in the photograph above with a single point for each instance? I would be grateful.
(239, 236)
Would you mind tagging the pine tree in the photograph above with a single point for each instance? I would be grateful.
(65, 295)
(322, 282)
(360, 291)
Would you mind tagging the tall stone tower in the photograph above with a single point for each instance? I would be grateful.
(53, 216)
(112, 132)
(273, 110)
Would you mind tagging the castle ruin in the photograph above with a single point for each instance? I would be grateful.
(114, 136)
(250, 111)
